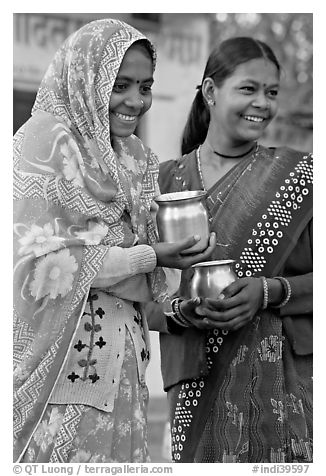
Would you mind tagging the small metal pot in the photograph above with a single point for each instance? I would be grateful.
(182, 214)
(211, 277)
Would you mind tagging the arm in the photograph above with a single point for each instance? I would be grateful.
(124, 269)
(122, 263)
(157, 320)
(298, 271)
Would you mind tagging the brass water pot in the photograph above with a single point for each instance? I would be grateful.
(182, 214)
(211, 277)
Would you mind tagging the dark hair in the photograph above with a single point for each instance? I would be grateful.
(144, 45)
(221, 64)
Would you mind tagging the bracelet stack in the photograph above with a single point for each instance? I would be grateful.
(287, 291)
(176, 315)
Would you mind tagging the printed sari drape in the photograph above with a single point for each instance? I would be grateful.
(250, 400)
(71, 204)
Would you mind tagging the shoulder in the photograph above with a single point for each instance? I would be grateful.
(168, 166)
(287, 160)
(142, 151)
(180, 162)
(293, 155)
(173, 171)
(167, 175)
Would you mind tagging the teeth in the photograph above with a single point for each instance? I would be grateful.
(124, 117)
(254, 118)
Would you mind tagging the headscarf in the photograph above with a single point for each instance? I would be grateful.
(75, 196)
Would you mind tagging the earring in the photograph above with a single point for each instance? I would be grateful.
(142, 103)
(211, 102)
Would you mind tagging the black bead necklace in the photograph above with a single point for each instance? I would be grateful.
(234, 156)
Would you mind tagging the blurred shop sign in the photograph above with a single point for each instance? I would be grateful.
(183, 47)
(36, 39)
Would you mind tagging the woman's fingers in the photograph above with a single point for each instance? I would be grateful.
(197, 257)
(225, 315)
(230, 325)
(189, 306)
(224, 304)
(185, 244)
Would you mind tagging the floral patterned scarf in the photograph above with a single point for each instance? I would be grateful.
(75, 196)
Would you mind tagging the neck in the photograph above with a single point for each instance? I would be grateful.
(228, 151)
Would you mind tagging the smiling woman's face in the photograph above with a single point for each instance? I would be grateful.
(132, 91)
(247, 101)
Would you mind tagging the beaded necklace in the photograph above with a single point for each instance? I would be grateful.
(199, 169)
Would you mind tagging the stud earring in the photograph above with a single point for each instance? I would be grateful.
(211, 102)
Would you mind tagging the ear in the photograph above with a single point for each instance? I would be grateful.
(208, 90)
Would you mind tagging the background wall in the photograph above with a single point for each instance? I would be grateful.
(183, 43)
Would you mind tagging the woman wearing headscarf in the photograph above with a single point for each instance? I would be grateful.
(86, 253)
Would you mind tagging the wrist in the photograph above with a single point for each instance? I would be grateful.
(287, 291)
(142, 259)
(156, 249)
(175, 314)
(275, 291)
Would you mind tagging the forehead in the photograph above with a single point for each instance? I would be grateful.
(136, 61)
(260, 70)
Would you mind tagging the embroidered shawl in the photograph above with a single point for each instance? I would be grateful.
(74, 197)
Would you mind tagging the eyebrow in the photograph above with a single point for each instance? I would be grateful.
(276, 85)
(127, 78)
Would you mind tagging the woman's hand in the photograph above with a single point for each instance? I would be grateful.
(189, 310)
(170, 254)
(242, 299)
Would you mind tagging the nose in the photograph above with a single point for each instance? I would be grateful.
(261, 101)
(134, 100)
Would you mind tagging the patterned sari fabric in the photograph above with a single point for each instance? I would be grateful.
(82, 434)
(74, 198)
(254, 403)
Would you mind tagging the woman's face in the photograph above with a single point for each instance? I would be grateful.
(246, 102)
(131, 95)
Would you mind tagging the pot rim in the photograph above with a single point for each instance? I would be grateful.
(177, 196)
(203, 264)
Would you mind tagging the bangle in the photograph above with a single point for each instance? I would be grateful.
(176, 320)
(176, 315)
(287, 291)
(265, 292)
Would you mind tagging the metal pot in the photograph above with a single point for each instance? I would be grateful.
(182, 214)
(211, 277)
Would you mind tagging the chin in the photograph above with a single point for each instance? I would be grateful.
(253, 135)
(123, 132)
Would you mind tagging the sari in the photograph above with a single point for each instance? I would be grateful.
(246, 395)
(73, 200)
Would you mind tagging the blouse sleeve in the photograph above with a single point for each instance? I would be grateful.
(122, 263)
(298, 270)
(297, 314)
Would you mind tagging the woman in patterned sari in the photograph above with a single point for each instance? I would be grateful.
(87, 257)
(238, 369)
